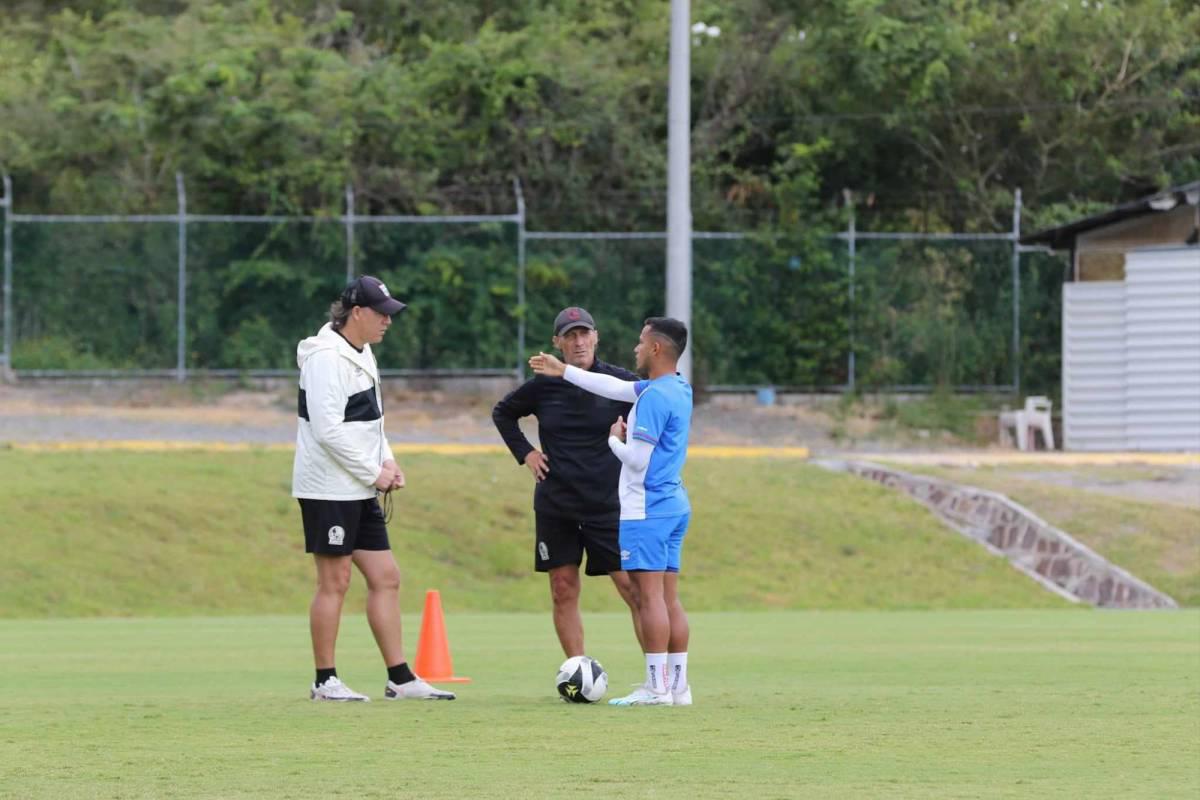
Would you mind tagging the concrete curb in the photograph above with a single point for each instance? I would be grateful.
(1048, 555)
(1054, 458)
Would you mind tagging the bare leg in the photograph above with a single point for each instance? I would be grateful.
(628, 592)
(568, 624)
(383, 602)
(325, 612)
(652, 609)
(680, 631)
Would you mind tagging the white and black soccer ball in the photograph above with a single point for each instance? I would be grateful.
(581, 680)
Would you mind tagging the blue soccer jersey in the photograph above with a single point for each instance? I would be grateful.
(662, 416)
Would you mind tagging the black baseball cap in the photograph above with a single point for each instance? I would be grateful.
(573, 317)
(370, 292)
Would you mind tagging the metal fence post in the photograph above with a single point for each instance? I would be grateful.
(520, 371)
(850, 246)
(8, 325)
(349, 233)
(6, 202)
(181, 305)
(1016, 280)
(679, 176)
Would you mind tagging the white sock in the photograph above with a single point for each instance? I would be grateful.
(656, 668)
(677, 671)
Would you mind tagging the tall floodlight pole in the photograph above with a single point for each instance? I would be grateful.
(679, 190)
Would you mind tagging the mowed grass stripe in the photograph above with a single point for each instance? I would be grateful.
(955, 704)
(119, 533)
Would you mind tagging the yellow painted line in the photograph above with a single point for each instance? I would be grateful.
(699, 451)
(1017, 458)
(162, 446)
(448, 448)
(404, 448)
(723, 451)
(141, 446)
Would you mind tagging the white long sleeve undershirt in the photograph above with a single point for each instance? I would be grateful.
(635, 455)
(608, 386)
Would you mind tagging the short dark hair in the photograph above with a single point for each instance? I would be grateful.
(674, 331)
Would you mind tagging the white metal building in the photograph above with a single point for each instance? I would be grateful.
(1131, 326)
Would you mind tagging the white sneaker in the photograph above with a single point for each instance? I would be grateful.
(414, 690)
(683, 698)
(333, 689)
(643, 696)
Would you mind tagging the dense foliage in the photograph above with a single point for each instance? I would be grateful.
(929, 113)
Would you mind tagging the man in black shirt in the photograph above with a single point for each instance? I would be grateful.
(575, 502)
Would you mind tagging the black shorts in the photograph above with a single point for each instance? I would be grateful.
(339, 527)
(562, 541)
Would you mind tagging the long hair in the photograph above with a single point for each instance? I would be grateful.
(339, 312)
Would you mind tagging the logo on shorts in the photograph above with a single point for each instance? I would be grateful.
(625, 555)
(337, 535)
(543, 551)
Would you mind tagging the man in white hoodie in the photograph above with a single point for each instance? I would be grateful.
(342, 462)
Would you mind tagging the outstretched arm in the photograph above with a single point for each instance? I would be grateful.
(603, 385)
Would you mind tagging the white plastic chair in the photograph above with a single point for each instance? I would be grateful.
(1035, 416)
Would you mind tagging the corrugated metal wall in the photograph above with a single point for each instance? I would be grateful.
(1131, 356)
(1094, 365)
(1162, 349)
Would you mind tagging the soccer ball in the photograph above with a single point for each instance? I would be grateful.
(581, 680)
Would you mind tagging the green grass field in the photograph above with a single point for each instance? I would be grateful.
(145, 534)
(935, 704)
(138, 662)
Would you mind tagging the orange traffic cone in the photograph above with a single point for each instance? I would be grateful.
(433, 651)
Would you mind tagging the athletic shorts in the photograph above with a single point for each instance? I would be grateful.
(339, 527)
(653, 545)
(562, 541)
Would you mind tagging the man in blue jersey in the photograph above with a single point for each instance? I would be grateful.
(655, 509)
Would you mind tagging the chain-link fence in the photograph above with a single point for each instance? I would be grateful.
(184, 295)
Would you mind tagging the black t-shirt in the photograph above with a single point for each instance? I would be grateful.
(573, 426)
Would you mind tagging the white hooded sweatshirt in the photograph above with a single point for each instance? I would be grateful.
(340, 443)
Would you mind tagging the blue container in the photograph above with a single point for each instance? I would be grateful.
(766, 396)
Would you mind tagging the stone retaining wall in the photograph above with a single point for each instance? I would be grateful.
(1045, 553)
